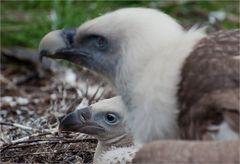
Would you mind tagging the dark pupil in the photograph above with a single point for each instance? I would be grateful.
(101, 44)
(110, 118)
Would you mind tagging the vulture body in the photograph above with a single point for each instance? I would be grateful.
(189, 152)
(104, 120)
(175, 83)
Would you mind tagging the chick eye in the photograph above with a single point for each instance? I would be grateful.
(101, 43)
(111, 118)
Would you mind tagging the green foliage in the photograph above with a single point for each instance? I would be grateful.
(23, 23)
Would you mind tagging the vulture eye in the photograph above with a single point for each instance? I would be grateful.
(111, 118)
(101, 43)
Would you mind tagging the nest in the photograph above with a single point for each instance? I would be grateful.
(33, 98)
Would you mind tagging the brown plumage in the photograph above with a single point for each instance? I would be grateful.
(189, 152)
(209, 90)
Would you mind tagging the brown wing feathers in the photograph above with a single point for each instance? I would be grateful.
(209, 90)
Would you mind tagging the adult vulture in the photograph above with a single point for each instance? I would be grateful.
(175, 83)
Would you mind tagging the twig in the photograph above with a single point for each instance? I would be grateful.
(27, 154)
(3, 79)
(87, 87)
(24, 127)
(44, 141)
(28, 137)
(101, 95)
(40, 153)
(3, 138)
(26, 78)
(94, 95)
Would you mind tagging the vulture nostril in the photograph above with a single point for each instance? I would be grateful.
(69, 35)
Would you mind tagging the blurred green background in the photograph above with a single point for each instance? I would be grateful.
(24, 23)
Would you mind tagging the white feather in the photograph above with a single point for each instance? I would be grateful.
(223, 132)
(120, 155)
(150, 74)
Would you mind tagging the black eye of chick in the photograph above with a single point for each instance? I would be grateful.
(111, 118)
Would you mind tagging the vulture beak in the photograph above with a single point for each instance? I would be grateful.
(58, 44)
(80, 121)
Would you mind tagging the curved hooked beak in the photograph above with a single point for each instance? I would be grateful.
(80, 121)
(59, 44)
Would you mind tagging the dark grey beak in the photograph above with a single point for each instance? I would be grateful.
(80, 121)
(54, 43)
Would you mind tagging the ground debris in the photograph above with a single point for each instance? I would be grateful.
(47, 147)
(32, 99)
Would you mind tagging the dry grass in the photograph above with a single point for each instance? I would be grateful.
(32, 100)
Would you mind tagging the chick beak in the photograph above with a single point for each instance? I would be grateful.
(80, 121)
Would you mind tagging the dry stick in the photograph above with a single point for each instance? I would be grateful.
(12, 85)
(101, 95)
(3, 138)
(86, 92)
(27, 154)
(28, 137)
(39, 153)
(17, 125)
(7, 81)
(41, 132)
(21, 146)
(20, 142)
(24, 127)
(26, 78)
(45, 141)
(94, 95)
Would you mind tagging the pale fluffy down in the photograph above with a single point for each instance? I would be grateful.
(121, 155)
(155, 93)
(117, 136)
(105, 120)
(152, 101)
(118, 149)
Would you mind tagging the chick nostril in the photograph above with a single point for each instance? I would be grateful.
(83, 117)
(84, 114)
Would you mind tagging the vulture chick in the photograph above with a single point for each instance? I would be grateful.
(104, 120)
(175, 83)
